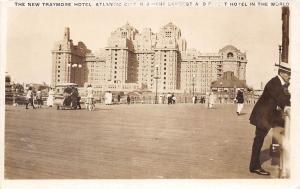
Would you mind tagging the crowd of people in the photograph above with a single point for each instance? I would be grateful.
(266, 114)
(72, 98)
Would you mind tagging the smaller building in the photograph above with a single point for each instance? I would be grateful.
(226, 87)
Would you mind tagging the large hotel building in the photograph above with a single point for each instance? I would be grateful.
(134, 60)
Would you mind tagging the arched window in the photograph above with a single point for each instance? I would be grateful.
(230, 55)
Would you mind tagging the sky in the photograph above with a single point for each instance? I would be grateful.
(32, 32)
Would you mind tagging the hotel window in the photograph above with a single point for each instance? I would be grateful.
(168, 34)
(230, 55)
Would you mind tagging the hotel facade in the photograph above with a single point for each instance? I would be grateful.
(146, 61)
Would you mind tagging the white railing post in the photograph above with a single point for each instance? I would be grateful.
(285, 152)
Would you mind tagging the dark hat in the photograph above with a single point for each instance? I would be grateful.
(285, 67)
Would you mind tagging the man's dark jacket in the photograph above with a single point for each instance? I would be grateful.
(240, 97)
(265, 113)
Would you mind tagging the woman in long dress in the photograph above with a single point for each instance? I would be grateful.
(108, 98)
(211, 100)
(50, 99)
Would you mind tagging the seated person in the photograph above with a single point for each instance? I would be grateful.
(67, 96)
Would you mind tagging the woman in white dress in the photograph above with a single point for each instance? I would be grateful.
(211, 100)
(89, 98)
(50, 99)
(108, 98)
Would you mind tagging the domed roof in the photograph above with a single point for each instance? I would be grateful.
(170, 24)
(230, 48)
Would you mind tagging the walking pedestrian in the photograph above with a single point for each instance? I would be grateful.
(50, 99)
(267, 113)
(89, 96)
(173, 99)
(119, 98)
(29, 98)
(108, 97)
(211, 100)
(240, 101)
(39, 98)
(78, 99)
(128, 99)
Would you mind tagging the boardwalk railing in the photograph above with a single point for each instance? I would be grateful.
(286, 146)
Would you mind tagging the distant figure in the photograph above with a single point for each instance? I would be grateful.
(78, 99)
(29, 98)
(194, 99)
(202, 100)
(75, 98)
(89, 95)
(89, 91)
(211, 99)
(50, 99)
(240, 101)
(39, 98)
(169, 98)
(119, 98)
(173, 99)
(267, 113)
(67, 96)
(128, 99)
(206, 99)
(108, 98)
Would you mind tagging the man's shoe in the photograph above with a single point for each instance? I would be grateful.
(260, 171)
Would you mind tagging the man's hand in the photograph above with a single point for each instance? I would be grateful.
(287, 110)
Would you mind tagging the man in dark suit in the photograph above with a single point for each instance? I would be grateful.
(266, 113)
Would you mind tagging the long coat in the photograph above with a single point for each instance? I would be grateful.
(265, 113)
(240, 97)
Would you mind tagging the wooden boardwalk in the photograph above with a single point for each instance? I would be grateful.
(129, 142)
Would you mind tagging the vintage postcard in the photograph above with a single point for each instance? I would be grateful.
(149, 94)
